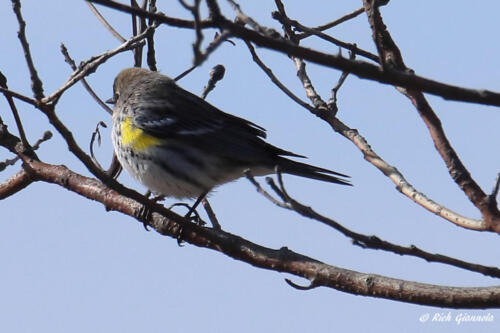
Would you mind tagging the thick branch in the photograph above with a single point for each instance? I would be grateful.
(14, 184)
(282, 260)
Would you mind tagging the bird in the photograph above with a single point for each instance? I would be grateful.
(178, 145)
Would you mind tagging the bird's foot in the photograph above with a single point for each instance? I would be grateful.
(192, 215)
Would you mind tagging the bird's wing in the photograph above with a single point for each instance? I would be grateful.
(180, 113)
(183, 115)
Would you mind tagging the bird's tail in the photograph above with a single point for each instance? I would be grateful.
(310, 171)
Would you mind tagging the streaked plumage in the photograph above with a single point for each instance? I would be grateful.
(178, 145)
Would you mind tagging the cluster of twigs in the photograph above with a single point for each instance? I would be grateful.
(386, 67)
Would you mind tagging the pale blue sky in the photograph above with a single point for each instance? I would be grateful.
(70, 266)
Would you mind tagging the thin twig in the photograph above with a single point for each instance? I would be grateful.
(106, 23)
(299, 287)
(186, 72)
(494, 193)
(14, 144)
(10, 100)
(216, 74)
(332, 102)
(250, 21)
(142, 26)
(211, 214)
(47, 135)
(136, 31)
(73, 66)
(334, 23)
(202, 56)
(275, 80)
(19, 96)
(261, 190)
(151, 58)
(8, 162)
(402, 184)
(96, 134)
(195, 11)
(17, 119)
(218, 40)
(348, 46)
(214, 44)
(319, 104)
(115, 167)
(36, 83)
(90, 66)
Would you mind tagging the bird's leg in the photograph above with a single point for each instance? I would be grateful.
(191, 210)
(145, 212)
(196, 203)
(197, 216)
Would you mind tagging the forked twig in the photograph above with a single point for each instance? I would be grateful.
(47, 135)
(90, 66)
(73, 66)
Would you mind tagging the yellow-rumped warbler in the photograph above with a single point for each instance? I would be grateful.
(178, 145)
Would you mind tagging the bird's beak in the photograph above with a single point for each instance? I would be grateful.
(110, 101)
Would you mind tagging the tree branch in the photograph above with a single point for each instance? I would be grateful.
(15, 184)
(361, 69)
(366, 241)
(106, 23)
(391, 57)
(151, 57)
(90, 66)
(36, 83)
(327, 113)
(348, 46)
(72, 64)
(372, 157)
(332, 24)
(282, 260)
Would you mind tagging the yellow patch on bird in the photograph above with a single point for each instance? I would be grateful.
(135, 137)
